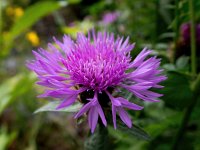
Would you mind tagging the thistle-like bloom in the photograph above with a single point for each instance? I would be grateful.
(185, 33)
(110, 17)
(90, 69)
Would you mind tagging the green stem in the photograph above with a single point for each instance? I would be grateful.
(98, 140)
(195, 88)
(1, 26)
(176, 27)
(193, 38)
(184, 123)
(177, 20)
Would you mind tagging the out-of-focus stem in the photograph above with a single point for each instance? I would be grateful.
(1, 25)
(176, 26)
(98, 140)
(193, 38)
(177, 20)
(193, 102)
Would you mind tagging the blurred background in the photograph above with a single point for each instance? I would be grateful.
(161, 25)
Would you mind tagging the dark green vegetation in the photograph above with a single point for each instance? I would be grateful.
(173, 123)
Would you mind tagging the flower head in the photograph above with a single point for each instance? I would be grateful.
(110, 17)
(185, 33)
(92, 68)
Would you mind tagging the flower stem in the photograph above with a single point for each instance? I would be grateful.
(195, 88)
(97, 140)
(176, 28)
(191, 106)
(177, 20)
(184, 123)
(193, 38)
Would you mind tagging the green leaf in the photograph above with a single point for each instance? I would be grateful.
(15, 87)
(51, 106)
(177, 92)
(135, 131)
(182, 62)
(169, 67)
(6, 138)
(159, 127)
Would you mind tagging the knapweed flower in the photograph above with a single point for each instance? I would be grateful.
(185, 33)
(110, 17)
(90, 69)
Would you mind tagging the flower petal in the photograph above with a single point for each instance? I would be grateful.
(127, 104)
(114, 116)
(93, 118)
(67, 102)
(101, 114)
(84, 109)
(124, 117)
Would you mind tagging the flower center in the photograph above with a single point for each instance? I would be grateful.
(97, 71)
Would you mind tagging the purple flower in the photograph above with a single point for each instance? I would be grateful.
(110, 17)
(91, 69)
(185, 33)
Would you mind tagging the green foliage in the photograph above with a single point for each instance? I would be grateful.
(98, 140)
(6, 138)
(181, 65)
(15, 87)
(177, 92)
(135, 131)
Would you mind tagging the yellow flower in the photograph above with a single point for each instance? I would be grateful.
(33, 38)
(15, 12)
(18, 12)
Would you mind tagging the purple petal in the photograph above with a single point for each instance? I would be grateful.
(93, 118)
(125, 117)
(140, 58)
(127, 104)
(67, 102)
(84, 109)
(114, 116)
(101, 113)
(141, 96)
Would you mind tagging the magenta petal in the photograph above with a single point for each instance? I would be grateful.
(46, 67)
(67, 102)
(114, 116)
(101, 113)
(84, 109)
(127, 104)
(93, 118)
(139, 59)
(152, 94)
(125, 117)
(145, 98)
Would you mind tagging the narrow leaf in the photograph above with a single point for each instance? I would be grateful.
(134, 131)
(33, 14)
(52, 107)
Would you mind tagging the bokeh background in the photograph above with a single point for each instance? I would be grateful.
(161, 25)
